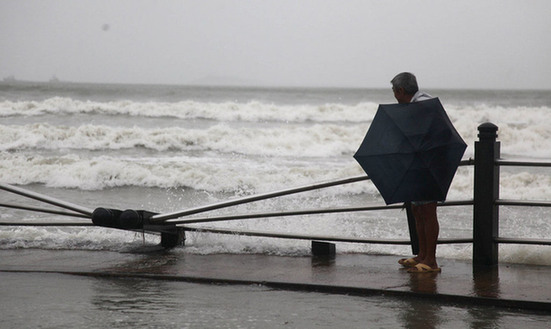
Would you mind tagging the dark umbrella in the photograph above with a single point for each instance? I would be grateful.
(411, 151)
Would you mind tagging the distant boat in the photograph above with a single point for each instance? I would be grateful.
(54, 79)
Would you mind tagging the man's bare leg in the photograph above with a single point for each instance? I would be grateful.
(427, 226)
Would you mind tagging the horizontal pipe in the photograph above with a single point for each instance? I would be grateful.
(523, 241)
(504, 202)
(523, 163)
(252, 198)
(300, 237)
(467, 162)
(46, 224)
(280, 214)
(48, 211)
(46, 199)
(301, 213)
(321, 238)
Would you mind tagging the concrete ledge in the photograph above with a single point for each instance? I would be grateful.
(509, 285)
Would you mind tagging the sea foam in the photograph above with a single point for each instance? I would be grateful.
(227, 111)
(523, 130)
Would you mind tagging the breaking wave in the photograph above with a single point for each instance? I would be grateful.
(252, 111)
(316, 140)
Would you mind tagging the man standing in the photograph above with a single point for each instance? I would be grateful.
(406, 90)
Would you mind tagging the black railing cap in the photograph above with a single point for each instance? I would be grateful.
(487, 131)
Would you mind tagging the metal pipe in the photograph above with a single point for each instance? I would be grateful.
(313, 237)
(46, 224)
(503, 202)
(524, 241)
(467, 162)
(48, 211)
(302, 212)
(247, 199)
(173, 215)
(280, 214)
(523, 163)
(46, 199)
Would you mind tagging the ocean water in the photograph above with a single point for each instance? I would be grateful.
(169, 148)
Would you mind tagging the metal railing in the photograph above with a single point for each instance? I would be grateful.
(486, 203)
(522, 203)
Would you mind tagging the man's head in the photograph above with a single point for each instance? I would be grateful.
(404, 86)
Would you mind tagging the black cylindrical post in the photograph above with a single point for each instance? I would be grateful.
(414, 238)
(486, 192)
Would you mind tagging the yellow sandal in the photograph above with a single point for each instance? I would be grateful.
(423, 268)
(408, 262)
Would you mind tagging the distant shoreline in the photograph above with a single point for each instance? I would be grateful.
(8, 81)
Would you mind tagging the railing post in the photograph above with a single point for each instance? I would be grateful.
(486, 192)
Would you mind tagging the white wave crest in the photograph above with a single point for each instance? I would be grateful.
(317, 140)
(213, 174)
(253, 111)
(521, 130)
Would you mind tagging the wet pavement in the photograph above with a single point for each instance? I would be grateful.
(506, 285)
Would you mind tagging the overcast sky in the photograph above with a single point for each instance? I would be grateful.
(448, 44)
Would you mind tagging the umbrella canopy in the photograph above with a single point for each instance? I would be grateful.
(411, 151)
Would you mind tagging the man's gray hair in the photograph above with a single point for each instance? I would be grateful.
(407, 81)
